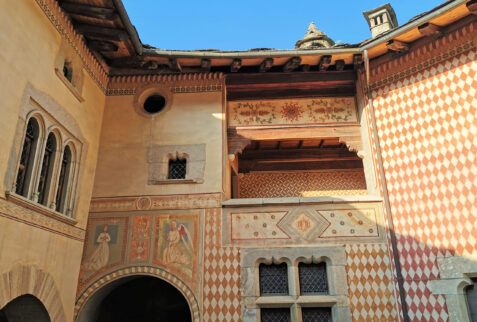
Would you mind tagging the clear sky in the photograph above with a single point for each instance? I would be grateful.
(246, 24)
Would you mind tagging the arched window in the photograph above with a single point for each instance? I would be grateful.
(47, 169)
(64, 180)
(27, 157)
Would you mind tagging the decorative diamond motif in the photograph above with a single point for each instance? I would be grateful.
(303, 224)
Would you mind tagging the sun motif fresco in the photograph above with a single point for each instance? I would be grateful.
(307, 111)
(176, 244)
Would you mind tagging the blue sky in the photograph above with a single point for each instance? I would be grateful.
(245, 24)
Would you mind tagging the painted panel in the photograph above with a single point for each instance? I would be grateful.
(140, 238)
(308, 111)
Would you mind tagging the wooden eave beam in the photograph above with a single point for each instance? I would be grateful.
(429, 29)
(296, 155)
(102, 46)
(266, 65)
(292, 64)
(472, 6)
(247, 166)
(290, 78)
(397, 46)
(102, 33)
(174, 65)
(205, 65)
(324, 63)
(236, 65)
(89, 11)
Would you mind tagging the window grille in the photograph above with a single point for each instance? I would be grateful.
(318, 314)
(313, 278)
(46, 168)
(177, 169)
(275, 315)
(26, 158)
(273, 279)
(68, 71)
(63, 181)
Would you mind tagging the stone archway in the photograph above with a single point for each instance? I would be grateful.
(23, 280)
(88, 302)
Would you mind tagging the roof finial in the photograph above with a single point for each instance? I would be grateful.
(314, 38)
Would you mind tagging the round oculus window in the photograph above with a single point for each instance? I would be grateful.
(154, 104)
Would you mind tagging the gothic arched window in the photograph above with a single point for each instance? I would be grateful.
(47, 169)
(27, 157)
(64, 180)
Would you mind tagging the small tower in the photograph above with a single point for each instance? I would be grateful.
(314, 38)
(381, 19)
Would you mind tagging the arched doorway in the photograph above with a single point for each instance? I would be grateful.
(138, 298)
(25, 308)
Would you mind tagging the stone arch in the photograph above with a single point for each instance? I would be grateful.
(23, 280)
(144, 271)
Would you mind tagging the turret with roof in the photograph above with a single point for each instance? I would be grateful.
(314, 38)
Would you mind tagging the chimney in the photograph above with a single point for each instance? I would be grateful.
(381, 19)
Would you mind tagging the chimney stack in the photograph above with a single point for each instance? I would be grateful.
(381, 19)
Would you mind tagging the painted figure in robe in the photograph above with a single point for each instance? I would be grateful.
(176, 237)
(100, 257)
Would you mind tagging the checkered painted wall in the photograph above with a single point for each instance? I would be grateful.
(426, 107)
(221, 292)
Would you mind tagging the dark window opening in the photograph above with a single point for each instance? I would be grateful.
(313, 278)
(471, 293)
(27, 157)
(154, 104)
(275, 315)
(46, 169)
(68, 71)
(63, 180)
(273, 279)
(318, 314)
(177, 169)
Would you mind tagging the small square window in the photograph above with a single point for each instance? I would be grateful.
(313, 279)
(177, 169)
(273, 279)
(275, 315)
(316, 314)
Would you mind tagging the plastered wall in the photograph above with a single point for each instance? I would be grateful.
(192, 118)
(30, 45)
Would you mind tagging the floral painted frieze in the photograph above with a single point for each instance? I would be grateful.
(307, 111)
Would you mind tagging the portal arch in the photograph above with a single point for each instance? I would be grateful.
(89, 300)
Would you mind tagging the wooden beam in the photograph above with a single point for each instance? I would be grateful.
(292, 64)
(205, 65)
(296, 155)
(262, 93)
(324, 63)
(357, 61)
(429, 29)
(340, 65)
(266, 65)
(236, 65)
(247, 166)
(174, 65)
(472, 6)
(397, 46)
(102, 33)
(103, 46)
(343, 77)
(88, 11)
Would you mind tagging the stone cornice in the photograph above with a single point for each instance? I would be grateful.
(63, 24)
(178, 83)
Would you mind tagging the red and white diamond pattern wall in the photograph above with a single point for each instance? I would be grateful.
(428, 134)
(221, 293)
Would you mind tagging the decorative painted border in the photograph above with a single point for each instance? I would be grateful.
(29, 217)
(193, 201)
(140, 270)
(177, 83)
(424, 57)
(63, 25)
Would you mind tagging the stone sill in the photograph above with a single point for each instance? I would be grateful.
(175, 181)
(244, 202)
(70, 86)
(275, 301)
(304, 301)
(29, 204)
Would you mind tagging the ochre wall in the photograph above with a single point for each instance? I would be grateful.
(29, 47)
(193, 118)
(426, 121)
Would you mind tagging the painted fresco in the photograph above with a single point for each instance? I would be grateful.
(140, 238)
(309, 111)
(104, 246)
(176, 244)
